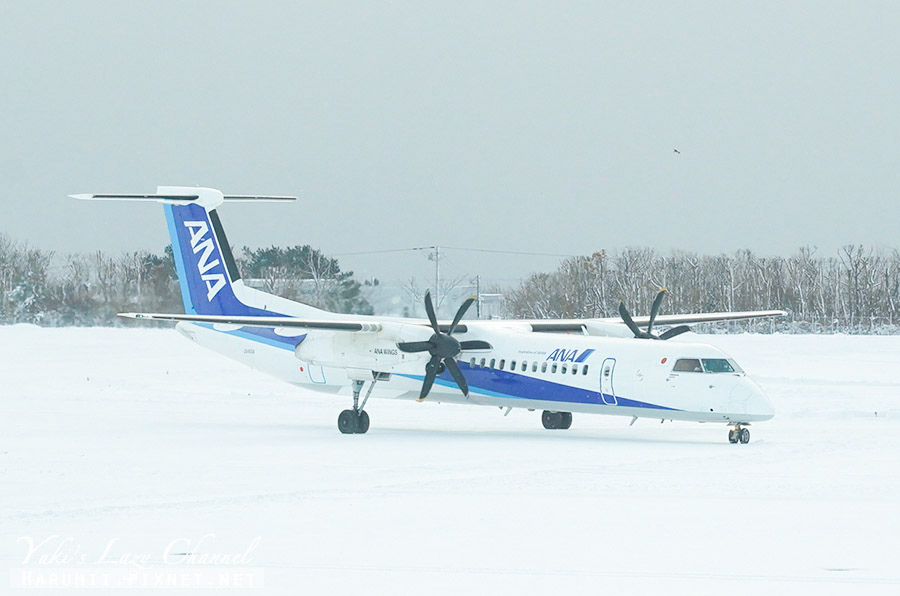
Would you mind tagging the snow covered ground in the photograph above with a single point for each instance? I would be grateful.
(140, 438)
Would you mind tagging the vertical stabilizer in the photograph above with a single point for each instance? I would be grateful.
(207, 272)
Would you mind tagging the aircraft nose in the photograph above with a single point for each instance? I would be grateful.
(748, 402)
(759, 405)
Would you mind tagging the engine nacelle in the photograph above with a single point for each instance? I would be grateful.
(604, 329)
(376, 351)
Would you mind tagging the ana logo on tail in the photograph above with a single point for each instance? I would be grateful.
(200, 242)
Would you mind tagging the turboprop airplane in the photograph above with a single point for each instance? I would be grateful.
(590, 366)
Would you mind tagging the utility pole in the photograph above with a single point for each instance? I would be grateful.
(478, 296)
(437, 274)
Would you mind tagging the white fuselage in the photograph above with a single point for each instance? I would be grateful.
(569, 373)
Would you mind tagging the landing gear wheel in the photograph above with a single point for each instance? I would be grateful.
(745, 436)
(732, 435)
(550, 420)
(347, 422)
(362, 422)
(556, 420)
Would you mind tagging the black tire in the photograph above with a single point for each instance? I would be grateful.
(551, 420)
(347, 422)
(362, 422)
(745, 436)
(732, 436)
(566, 420)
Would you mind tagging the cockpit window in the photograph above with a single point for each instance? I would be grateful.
(720, 365)
(687, 365)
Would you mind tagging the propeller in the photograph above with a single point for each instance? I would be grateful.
(654, 310)
(443, 348)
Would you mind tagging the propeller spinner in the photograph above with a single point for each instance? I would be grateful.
(443, 348)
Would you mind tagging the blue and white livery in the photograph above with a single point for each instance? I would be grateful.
(590, 366)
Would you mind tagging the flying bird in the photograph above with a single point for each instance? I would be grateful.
(677, 151)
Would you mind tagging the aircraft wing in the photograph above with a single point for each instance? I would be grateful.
(710, 317)
(370, 325)
(600, 326)
(579, 325)
(333, 325)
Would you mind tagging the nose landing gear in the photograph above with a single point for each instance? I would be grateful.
(739, 434)
(353, 422)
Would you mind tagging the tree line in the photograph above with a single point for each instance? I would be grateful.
(40, 287)
(857, 290)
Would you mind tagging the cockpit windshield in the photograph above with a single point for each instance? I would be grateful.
(710, 365)
(688, 365)
(717, 365)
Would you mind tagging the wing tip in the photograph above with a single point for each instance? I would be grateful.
(132, 315)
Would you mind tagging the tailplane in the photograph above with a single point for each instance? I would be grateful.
(207, 272)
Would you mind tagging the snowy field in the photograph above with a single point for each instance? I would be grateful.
(142, 439)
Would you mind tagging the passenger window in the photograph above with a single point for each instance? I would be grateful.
(472, 363)
(584, 370)
(493, 361)
(543, 367)
(512, 365)
(482, 363)
(502, 363)
(688, 365)
(534, 366)
(524, 366)
(553, 368)
(564, 369)
(574, 369)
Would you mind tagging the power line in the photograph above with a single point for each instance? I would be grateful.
(510, 252)
(484, 250)
(376, 252)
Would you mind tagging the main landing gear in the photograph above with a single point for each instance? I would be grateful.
(556, 420)
(739, 434)
(353, 422)
(356, 421)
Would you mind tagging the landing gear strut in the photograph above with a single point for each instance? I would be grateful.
(739, 434)
(356, 421)
(556, 420)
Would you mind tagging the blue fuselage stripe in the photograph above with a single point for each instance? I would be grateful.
(506, 384)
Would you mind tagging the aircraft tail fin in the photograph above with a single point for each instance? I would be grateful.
(207, 272)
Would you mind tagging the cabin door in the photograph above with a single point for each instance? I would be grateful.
(607, 388)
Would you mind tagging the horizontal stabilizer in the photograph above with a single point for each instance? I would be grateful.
(173, 199)
(257, 198)
(181, 199)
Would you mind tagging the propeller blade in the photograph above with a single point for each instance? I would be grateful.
(675, 331)
(457, 375)
(459, 314)
(429, 308)
(430, 373)
(623, 312)
(412, 347)
(654, 310)
(474, 344)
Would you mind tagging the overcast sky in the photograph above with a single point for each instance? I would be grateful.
(536, 127)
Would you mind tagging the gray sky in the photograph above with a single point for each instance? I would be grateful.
(544, 127)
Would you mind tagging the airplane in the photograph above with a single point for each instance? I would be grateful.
(586, 366)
